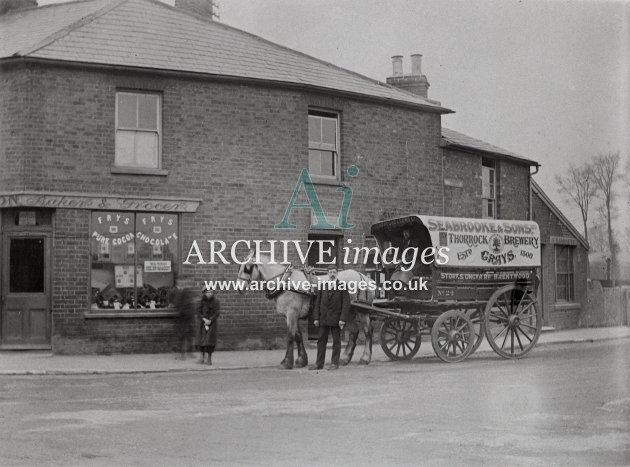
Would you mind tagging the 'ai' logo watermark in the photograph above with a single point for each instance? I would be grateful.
(315, 206)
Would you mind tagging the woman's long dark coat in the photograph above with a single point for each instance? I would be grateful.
(209, 308)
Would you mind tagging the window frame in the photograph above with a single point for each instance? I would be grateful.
(175, 266)
(488, 166)
(158, 130)
(569, 288)
(336, 153)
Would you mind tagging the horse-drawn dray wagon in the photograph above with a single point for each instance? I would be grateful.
(470, 278)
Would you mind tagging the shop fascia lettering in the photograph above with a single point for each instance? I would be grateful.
(112, 221)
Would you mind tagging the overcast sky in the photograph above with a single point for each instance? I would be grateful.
(545, 79)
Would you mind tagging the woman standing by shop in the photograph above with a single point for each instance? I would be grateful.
(209, 311)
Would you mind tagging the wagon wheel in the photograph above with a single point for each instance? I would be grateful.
(453, 336)
(400, 340)
(479, 326)
(513, 321)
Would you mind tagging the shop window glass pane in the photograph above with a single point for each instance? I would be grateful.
(314, 129)
(113, 259)
(125, 147)
(329, 131)
(26, 265)
(328, 163)
(127, 111)
(134, 257)
(146, 149)
(147, 112)
(156, 240)
(314, 162)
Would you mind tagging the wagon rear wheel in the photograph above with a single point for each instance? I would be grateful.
(453, 336)
(400, 340)
(513, 321)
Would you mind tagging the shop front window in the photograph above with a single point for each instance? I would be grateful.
(134, 258)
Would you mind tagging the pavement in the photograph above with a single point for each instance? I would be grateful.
(46, 363)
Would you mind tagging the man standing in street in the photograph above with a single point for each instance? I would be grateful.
(329, 315)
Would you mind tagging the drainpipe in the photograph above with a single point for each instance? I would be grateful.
(531, 214)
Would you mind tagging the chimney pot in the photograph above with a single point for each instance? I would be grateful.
(416, 64)
(397, 65)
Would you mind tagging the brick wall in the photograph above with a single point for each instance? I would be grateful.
(14, 118)
(462, 190)
(238, 147)
(559, 315)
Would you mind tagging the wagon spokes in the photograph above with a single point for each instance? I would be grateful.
(453, 336)
(522, 326)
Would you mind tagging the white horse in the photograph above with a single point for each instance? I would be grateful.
(295, 304)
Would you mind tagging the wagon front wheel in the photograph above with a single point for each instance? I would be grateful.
(400, 340)
(513, 321)
(453, 336)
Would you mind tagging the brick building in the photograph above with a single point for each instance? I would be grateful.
(500, 179)
(564, 263)
(130, 129)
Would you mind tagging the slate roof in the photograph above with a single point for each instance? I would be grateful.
(150, 34)
(460, 140)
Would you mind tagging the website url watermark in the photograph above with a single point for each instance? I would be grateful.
(353, 287)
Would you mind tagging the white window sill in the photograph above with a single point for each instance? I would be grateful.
(138, 171)
(566, 306)
(326, 181)
(118, 314)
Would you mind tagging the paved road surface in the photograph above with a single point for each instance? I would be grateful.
(564, 404)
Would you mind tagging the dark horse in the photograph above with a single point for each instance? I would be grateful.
(294, 304)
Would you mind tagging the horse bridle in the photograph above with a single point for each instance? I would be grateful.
(248, 269)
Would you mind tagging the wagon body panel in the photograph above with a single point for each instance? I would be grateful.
(471, 243)
(481, 279)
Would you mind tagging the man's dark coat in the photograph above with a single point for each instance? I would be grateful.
(332, 306)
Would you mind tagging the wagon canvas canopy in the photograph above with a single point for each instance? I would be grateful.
(474, 243)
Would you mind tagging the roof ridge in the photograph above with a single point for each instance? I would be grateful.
(505, 152)
(286, 48)
(71, 27)
(554, 209)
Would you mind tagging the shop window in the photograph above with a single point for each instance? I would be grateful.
(323, 144)
(138, 126)
(564, 273)
(134, 258)
(488, 189)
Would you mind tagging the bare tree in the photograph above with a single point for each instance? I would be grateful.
(605, 174)
(578, 185)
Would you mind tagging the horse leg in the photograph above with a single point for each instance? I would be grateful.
(302, 359)
(287, 363)
(353, 333)
(366, 358)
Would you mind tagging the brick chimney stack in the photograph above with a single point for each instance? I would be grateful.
(414, 82)
(11, 5)
(205, 8)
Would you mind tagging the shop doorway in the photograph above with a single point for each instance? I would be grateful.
(25, 291)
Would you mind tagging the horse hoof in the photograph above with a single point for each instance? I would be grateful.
(364, 362)
(343, 362)
(300, 363)
(287, 366)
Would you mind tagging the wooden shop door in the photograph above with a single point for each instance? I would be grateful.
(25, 300)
